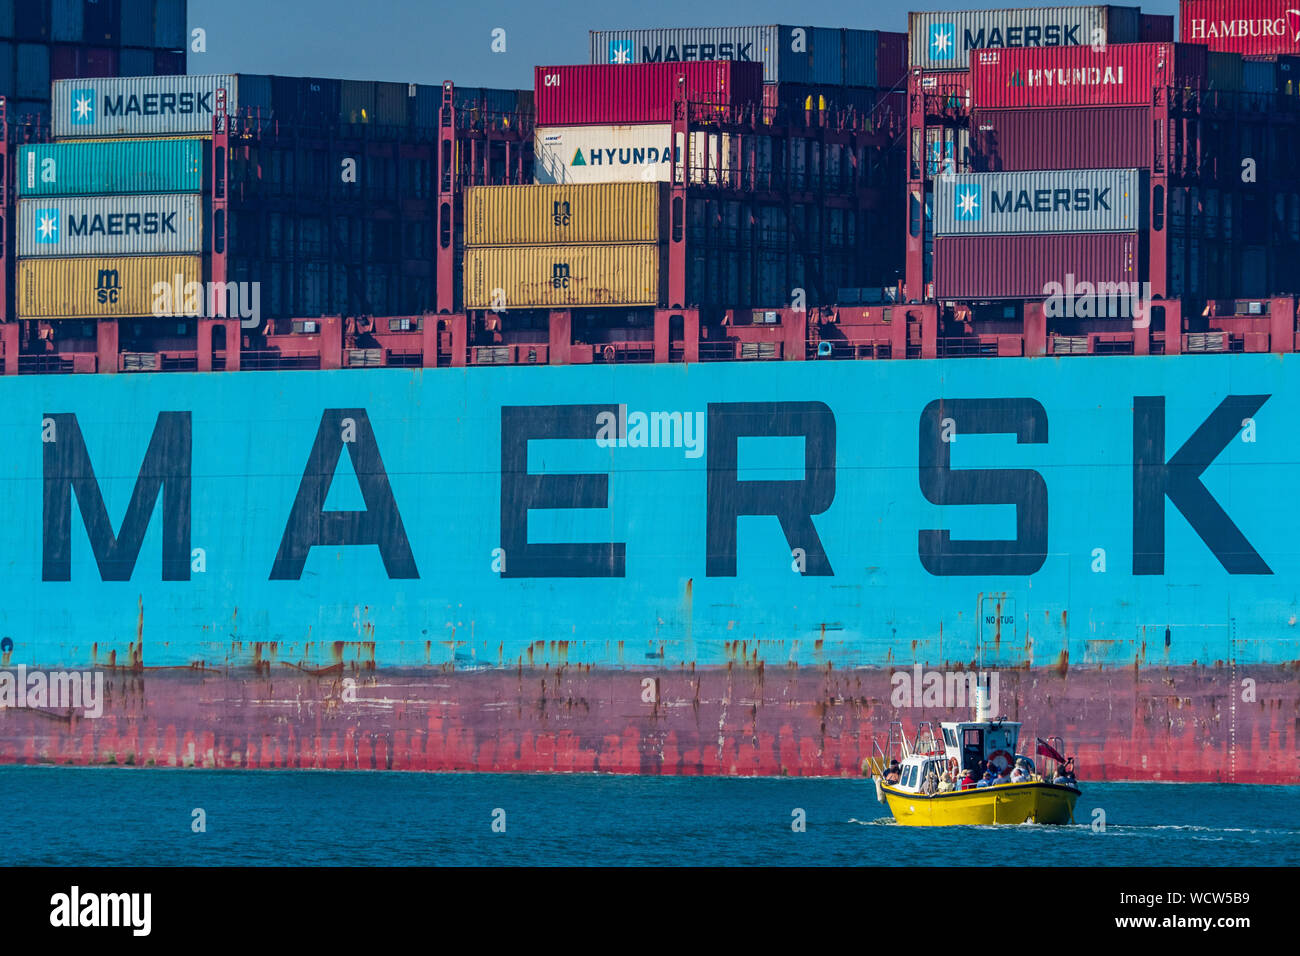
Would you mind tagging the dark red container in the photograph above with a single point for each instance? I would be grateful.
(1242, 26)
(1062, 138)
(1154, 28)
(169, 62)
(69, 62)
(1022, 267)
(891, 59)
(100, 61)
(1120, 74)
(602, 94)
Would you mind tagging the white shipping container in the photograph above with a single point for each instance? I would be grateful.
(637, 153)
(140, 105)
(1037, 203)
(148, 225)
(944, 41)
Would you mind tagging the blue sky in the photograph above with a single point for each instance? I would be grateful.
(428, 41)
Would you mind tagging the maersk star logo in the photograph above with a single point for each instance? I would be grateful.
(943, 41)
(47, 225)
(1293, 21)
(83, 107)
(620, 51)
(967, 205)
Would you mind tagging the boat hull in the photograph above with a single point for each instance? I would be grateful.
(1008, 803)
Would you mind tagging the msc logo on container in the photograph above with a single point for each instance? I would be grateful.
(108, 287)
(620, 51)
(83, 107)
(560, 275)
(943, 41)
(47, 226)
(560, 212)
(968, 202)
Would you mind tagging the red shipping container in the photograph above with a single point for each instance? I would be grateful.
(1023, 267)
(601, 94)
(1121, 74)
(1259, 27)
(1062, 138)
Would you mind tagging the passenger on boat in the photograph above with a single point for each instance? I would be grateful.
(931, 783)
(945, 782)
(967, 779)
(893, 774)
(1065, 773)
(1020, 774)
(1004, 776)
(987, 780)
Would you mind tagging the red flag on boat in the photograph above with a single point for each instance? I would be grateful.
(1047, 750)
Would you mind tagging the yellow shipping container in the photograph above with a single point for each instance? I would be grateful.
(122, 286)
(588, 212)
(529, 277)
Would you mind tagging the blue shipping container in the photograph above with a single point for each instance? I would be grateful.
(121, 166)
(135, 62)
(1259, 76)
(137, 23)
(6, 69)
(65, 21)
(33, 80)
(169, 31)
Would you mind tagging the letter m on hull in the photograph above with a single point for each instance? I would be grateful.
(166, 469)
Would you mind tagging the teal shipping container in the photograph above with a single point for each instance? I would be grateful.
(121, 166)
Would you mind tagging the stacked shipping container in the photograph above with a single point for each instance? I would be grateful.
(44, 40)
(943, 47)
(1082, 108)
(317, 241)
(552, 246)
(104, 227)
(1264, 36)
(755, 228)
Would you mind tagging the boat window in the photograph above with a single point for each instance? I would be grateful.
(972, 747)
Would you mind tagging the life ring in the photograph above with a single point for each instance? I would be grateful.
(953, 766)
(1011, 761)
(608, 353)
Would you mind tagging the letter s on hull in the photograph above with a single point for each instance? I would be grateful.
(1022, 487)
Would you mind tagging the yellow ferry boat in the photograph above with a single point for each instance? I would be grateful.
(928, 792)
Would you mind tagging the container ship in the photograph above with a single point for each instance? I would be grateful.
(829, 368)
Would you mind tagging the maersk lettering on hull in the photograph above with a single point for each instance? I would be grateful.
(1112, 510)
